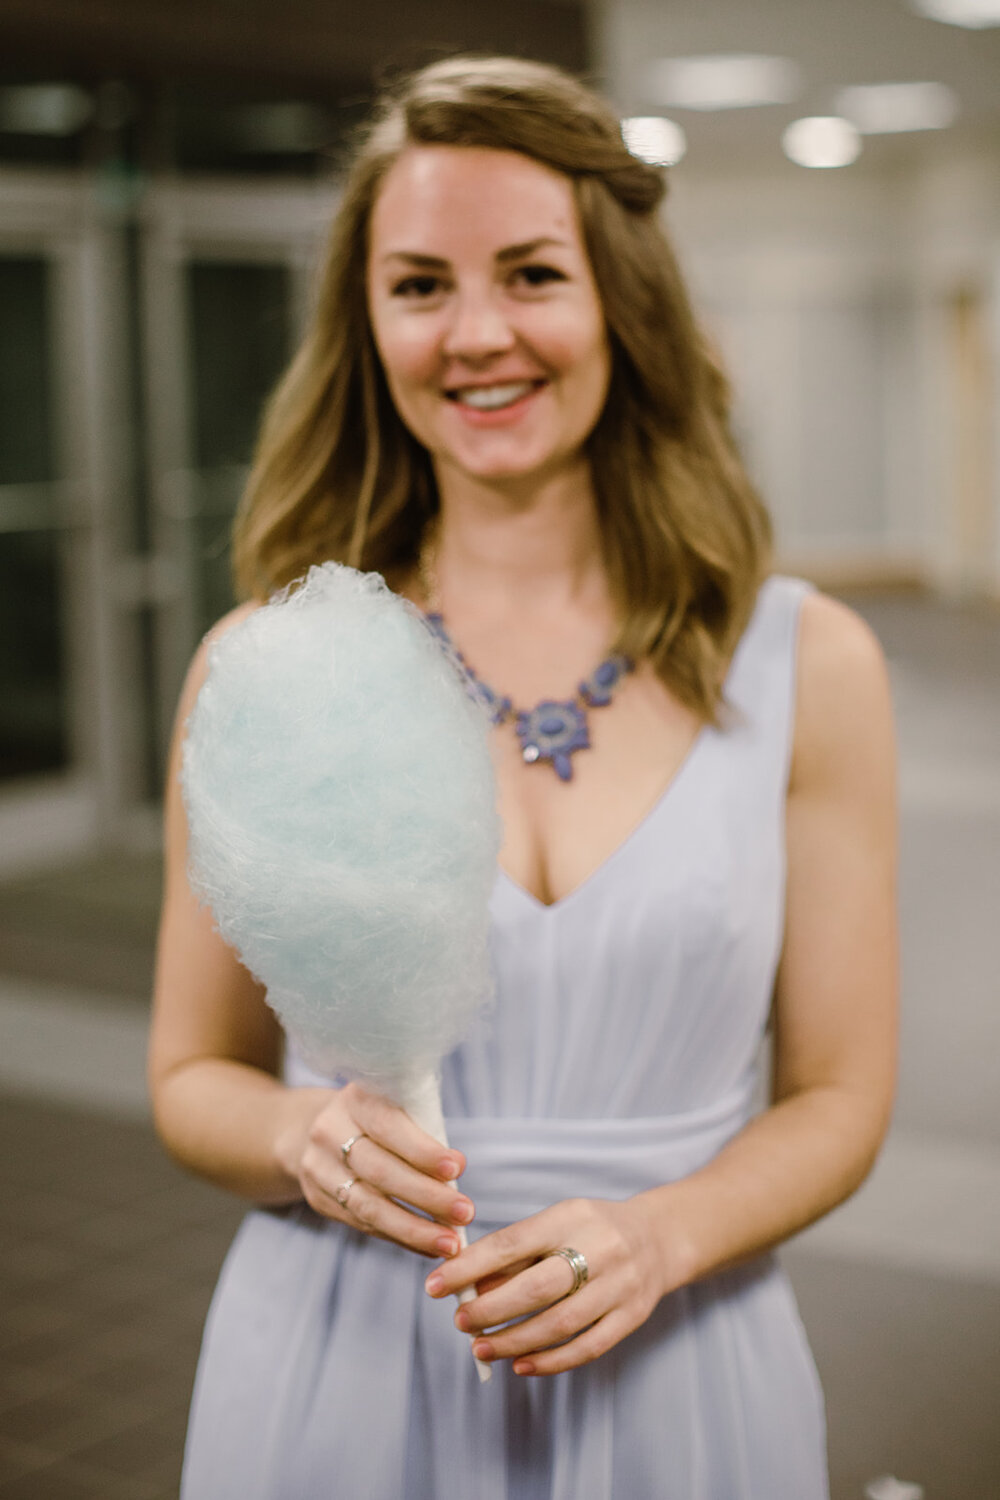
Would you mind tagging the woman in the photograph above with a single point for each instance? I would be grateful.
(505, 406)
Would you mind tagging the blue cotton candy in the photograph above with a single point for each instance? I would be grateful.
(343, 823)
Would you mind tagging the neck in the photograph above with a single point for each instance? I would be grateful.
(503, 548)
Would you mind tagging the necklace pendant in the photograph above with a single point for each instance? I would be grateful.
(553, 731)
(597, 689)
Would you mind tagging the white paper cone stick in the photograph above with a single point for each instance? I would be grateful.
(420, 1096)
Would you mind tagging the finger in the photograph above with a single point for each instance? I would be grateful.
(384, 1121)
(397, 1179)
(538, 1286)
(494, 1254)
(591, 1344)
(488, 1283)
(554, 1325)
(364, 1207)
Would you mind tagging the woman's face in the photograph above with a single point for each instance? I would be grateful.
(485, 311)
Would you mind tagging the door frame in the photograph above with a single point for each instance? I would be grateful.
(208, 219)
(59, 217)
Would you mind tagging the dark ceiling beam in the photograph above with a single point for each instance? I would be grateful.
(307, 41)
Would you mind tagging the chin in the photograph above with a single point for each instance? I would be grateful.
(503, 467)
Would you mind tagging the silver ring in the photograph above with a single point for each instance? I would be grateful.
(577, 1263)
(343, 1192)
(345, 1149)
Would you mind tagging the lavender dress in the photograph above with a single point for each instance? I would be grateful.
(622, 1052)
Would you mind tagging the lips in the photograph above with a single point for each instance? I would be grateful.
(493, 397)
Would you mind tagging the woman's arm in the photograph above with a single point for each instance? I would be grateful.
(835, 1046)
(220, 1109)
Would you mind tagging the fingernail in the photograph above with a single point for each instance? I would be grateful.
(462, 1320)
(447, 1244)
(449, 1169)
(462, 1211)
(434, 1284)
(482, 1350)
(523, 1367)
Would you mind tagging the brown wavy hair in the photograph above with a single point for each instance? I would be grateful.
(337, 475)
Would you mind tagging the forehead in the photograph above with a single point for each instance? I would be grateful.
(444, 200)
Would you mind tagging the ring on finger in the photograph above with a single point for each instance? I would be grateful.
(577, 1263)
(343, 1192)
(345, 1149)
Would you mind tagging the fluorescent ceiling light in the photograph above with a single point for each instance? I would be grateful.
(974, 14)
(653, 139)
(723, 81)
(55, 109)
(822, 141)
(881, 108)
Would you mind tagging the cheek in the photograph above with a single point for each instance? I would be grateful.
(403, 358)
(593, 371)
(406, 348)
(579, 347)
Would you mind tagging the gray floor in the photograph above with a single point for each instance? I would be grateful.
(108, 1253)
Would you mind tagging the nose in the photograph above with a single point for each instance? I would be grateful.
(478, 327)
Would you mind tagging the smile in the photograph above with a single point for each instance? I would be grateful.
(493, 397)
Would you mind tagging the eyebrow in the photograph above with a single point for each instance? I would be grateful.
(509, 253)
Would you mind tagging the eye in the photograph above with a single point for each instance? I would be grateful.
(537, 275)
(418, 287)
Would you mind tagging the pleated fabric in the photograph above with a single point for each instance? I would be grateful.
(622, 1051)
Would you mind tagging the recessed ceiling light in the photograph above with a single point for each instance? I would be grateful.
(822, 141)
(974, 14)
(723, 81)
(55, 109)
(881, 108)
(653, 139)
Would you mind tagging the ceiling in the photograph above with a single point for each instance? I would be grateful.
(331, 50)
(303, 42)
(192, 84)
(835, 42)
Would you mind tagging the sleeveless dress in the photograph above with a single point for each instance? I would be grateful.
(621, 1052)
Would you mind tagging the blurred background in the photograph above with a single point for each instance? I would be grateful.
(166, 174)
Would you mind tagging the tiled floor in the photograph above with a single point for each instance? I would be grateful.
(108, 1255)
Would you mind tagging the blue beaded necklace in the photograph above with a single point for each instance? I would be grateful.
(554, 729)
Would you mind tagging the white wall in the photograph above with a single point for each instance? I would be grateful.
(859, 316)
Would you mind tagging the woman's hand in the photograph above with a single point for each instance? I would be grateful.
(518, 1276)
(390, 1159)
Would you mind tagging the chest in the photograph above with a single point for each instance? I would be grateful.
(556, 833)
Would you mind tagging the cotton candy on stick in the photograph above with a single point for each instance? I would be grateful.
(343, 829)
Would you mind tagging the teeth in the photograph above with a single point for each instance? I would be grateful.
(492, 397)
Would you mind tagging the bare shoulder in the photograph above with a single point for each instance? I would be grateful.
(843, 717)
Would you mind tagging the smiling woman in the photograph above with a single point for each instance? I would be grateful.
(484, 311)
(505, 405)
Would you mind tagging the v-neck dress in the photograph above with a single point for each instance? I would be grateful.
(622, 1051)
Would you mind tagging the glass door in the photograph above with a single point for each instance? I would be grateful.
(65, 733)
(226, 275)
(239, 323)
(35, 733)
